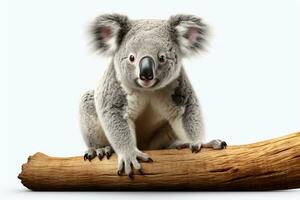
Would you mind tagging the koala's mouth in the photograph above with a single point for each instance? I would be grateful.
(146, 84)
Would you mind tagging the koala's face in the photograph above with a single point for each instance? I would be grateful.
(147, 53)
(148, 57)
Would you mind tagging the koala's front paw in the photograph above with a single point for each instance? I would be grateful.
(129, 160)
(91, 153)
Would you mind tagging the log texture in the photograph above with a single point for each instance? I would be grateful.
(267, 165)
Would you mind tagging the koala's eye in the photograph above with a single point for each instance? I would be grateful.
(131, 58)
(162, 57)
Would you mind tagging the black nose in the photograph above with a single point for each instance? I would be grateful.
(147, 65)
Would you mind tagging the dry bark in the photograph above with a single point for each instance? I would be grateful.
(267, 165)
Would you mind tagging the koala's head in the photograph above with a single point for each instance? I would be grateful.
(147, 53)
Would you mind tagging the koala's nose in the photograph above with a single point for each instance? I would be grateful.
(147, 65)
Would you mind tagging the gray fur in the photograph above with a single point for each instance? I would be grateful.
(200, 28)
(112, 109)
(92, 132)
(115, 22)
(123, 113)
(191, 118)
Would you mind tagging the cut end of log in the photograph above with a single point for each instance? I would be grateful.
(268, 165)
(22, 175)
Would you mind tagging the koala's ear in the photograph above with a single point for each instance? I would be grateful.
(108, 31)
(189, 33)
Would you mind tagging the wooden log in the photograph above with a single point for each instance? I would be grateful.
(268, 165)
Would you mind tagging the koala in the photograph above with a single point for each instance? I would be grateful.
(144, 100)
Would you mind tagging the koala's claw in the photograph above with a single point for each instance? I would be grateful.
(105, 151)
(119, 172)
(195, 148)
(89, 155)
(85, 156)
(108, 151)
(100, 156)
(223, 145)
(149, 160)
(120, 168)
(108, 155)
(130, 175)
(100, 153)
(145, 159)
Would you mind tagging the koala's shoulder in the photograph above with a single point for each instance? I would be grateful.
(183, 92)
(109, 90)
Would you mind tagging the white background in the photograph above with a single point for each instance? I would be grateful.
(248, 82)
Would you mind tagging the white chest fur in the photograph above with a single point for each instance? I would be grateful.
(150, 110)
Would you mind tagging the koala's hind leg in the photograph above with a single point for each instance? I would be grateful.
(215, 144)
(91, 129)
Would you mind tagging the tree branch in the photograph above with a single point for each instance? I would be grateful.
(268, 165)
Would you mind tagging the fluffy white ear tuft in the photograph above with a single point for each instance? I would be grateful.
(108, 31)
(189, 33)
